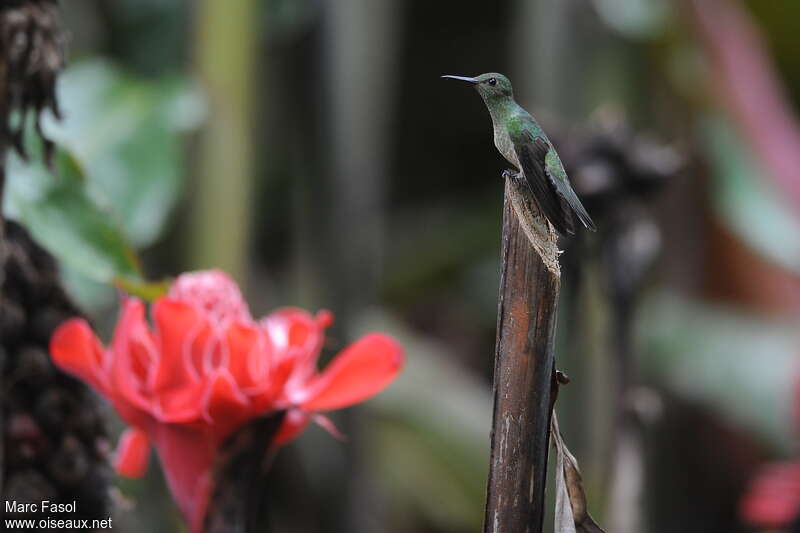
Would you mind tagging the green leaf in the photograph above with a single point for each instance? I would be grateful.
(745, 201)
(736, 362)
(146, 290)
(118, 173)
(634, 18)
(56, 209)
(125, 131)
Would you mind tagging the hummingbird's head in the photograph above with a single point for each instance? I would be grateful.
(491, 86)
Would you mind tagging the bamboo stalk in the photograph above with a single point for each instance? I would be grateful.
(226, 59)
(524, 366)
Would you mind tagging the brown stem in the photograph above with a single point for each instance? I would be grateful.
(238, 502)
(524, 366)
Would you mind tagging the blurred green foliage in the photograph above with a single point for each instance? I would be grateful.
(57, 209)
(126, 133)
(118, 173)
(747, 204)
(739, 364)
(634, 18)
(429, 438)
(778, 24)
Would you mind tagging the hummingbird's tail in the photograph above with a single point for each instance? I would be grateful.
(572, 204)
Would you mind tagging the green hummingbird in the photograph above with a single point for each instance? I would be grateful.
(520, 139)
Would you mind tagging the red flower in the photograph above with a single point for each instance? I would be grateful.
(206, 368)
(773, 498)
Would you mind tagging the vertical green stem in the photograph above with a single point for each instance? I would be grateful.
(225, 59)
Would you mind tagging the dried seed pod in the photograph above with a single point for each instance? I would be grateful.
(22, 426)
(33, 46)
(29, 485)
(54, 409)
(12, 321)
(69, 465)
(33, 365)
(26, 443)
(40, 404)
(44, 321)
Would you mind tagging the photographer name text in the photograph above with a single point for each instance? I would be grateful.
(49, 507)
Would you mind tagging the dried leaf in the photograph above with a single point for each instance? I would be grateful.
(571, 515)
(564, 521)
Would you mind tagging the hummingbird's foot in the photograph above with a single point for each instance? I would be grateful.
(509, 173)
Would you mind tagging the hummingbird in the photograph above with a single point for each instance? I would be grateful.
(520, 139)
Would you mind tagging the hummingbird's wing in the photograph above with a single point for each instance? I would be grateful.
(558, 177)
(531, 156)
(553, 193)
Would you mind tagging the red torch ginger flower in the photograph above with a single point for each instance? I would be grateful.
(206, 367)
(772, 500)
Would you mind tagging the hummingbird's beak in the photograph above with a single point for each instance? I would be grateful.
(462, 78)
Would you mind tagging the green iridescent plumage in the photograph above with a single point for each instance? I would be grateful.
(520, 139)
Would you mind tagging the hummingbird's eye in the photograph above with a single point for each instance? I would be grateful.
(492, 81)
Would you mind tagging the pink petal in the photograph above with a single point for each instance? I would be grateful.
(213, 292)
(133, 452)
(362, 370)
(76, 350)
(273, 397)
(178, 389)
(292, 329)
(225, 406)
(199, 350)
(324, 318)
(187, 456)
(773, 499)
(177, 324)
(296, 337)
(327, 424)
(248, 356)
(134, 358)
(294, 423)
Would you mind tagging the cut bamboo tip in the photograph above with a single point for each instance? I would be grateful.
(540, 232)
